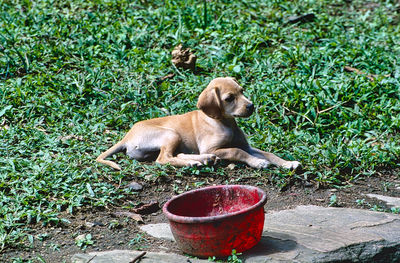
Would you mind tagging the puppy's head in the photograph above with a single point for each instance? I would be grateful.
(223, 98)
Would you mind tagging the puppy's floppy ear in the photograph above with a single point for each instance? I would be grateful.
(235, 80)
(210, 103)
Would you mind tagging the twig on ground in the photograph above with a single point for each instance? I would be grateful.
(295, 112)
(371, 77)
(169, 76)
(160, 80)
(332, 107)
(318, 112)
(91, 259)
(138, 257)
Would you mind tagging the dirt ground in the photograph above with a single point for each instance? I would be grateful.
(110, 231)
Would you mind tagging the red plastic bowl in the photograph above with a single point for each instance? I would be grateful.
(212, 221)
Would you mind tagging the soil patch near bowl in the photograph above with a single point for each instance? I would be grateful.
(109, 231)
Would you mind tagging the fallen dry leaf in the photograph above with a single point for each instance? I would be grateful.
(183, 58)
(131, 215)
(147, 208)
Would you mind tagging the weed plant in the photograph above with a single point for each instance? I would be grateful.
(75, 75)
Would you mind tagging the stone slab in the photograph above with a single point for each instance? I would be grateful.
(391, 201)
(328, 229)
(161, 230)
(126, 256)
(316, 234)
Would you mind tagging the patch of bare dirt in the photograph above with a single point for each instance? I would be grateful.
(110, 229)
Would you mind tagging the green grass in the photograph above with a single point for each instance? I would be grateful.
(75, 75)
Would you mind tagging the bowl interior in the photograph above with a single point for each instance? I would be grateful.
(215, 201)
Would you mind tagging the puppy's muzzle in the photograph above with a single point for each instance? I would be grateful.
(247, 112)
(250, 108)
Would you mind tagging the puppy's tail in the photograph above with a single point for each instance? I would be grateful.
(119, 147)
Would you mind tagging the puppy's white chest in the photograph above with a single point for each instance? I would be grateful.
(215, 139)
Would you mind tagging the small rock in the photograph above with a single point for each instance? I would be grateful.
(231, 166)
(134, 186)
(80, 237)
(308, 184)
(93, 224)
(302, 18)
(165, 111)
(391, 201)
(70, 137)
(149, 177)
(89, 224)
(161, 230)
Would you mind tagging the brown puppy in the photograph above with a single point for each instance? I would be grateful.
(198, 137)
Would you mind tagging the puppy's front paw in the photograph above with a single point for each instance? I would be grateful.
(291, 165)
(194, 163)
(210, 159)
(260, 164)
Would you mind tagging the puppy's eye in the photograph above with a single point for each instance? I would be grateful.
(230, 98)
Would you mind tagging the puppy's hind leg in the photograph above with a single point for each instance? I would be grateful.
(119, 147)
(170, 142)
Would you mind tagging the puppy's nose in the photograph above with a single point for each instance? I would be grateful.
(250, 107)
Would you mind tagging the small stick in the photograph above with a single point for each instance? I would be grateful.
(169, 76)
(331, 108)
(359, 72)
(302, 115)
(138, 258)
(371, 77)
(91, 259)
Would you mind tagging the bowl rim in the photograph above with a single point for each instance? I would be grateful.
(209, 219)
